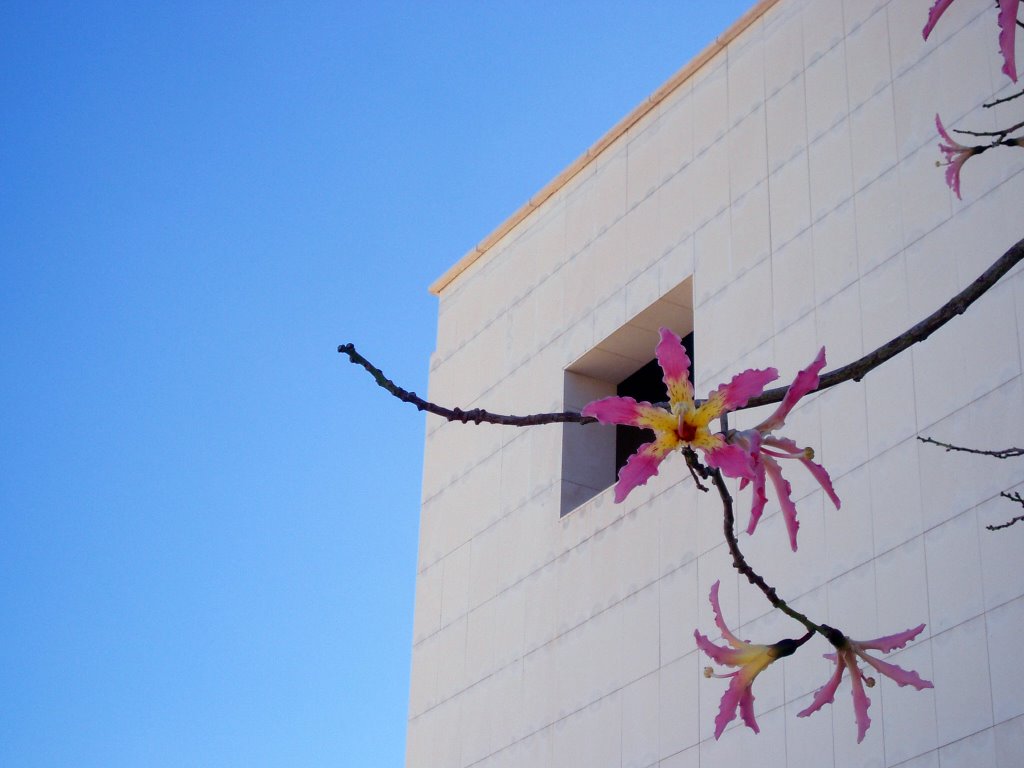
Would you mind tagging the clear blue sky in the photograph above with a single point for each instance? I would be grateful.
(208, 519)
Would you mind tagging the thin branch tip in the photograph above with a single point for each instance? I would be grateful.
(998, 453)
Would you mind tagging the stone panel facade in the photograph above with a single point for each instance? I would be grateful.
(789, 185)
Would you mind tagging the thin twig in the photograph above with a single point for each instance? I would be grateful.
(694, 465)
(1007, 524)
(1004, 453)
(476, 415)
(1012, 497)
(1001, 134)
(1005, 99)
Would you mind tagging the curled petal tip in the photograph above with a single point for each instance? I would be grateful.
(934, 14)
(1008, 35)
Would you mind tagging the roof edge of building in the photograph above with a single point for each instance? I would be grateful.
(652, 101)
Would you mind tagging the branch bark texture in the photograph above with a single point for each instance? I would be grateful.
(854, 371)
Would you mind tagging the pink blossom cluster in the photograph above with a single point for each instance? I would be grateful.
(750, 660)
(753, 457)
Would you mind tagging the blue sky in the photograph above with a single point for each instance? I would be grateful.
(208, 518)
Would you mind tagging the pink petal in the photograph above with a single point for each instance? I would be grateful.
(675, 364)
(861, 702)
(892, 642)
(758, 498)
(638, 469)
(618, 410)
(719, 621)
(956, 155)
(818, 471)
(716, 652)
(933, 16)
(1007, 36)
(897, 674)
(827, 693)
(953, 173)
(783, 491)
(823, 480)
(747, 707)
(750, 383)
(729, 657)
(733, 460)
(954, 145)
(805, 381)
(727, 707)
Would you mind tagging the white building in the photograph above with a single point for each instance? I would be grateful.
(778, 194)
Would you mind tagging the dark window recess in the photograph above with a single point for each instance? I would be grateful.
(644, 384)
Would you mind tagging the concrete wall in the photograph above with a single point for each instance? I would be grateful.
(793, 179)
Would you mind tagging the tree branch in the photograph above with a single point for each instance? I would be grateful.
(1000, 135)
(1012, 497)
(1005, 453)
(1011, 97)
(739, 562)
(854, 371)
(476, 415)
(981, 134)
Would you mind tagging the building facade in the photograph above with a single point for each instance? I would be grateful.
(778, 194)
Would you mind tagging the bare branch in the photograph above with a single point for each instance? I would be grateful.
(1005, 99)
(1001, 134)
(695, 467)
(1012, 497)
(854, 371)
(1005, 453)
(476, 415)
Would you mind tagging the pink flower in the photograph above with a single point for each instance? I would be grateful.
(751, 660)
(1007, 30)
(683, 424)
(956, 155)
(763, 449)
(848, 651)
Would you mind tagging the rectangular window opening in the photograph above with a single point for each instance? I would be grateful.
(622, 364)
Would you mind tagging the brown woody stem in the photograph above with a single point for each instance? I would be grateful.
(739, 562)
(1011, 97)
(957, 305)
(1013, 521)
(854, 371)
(1002, 453)
(476, 415)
